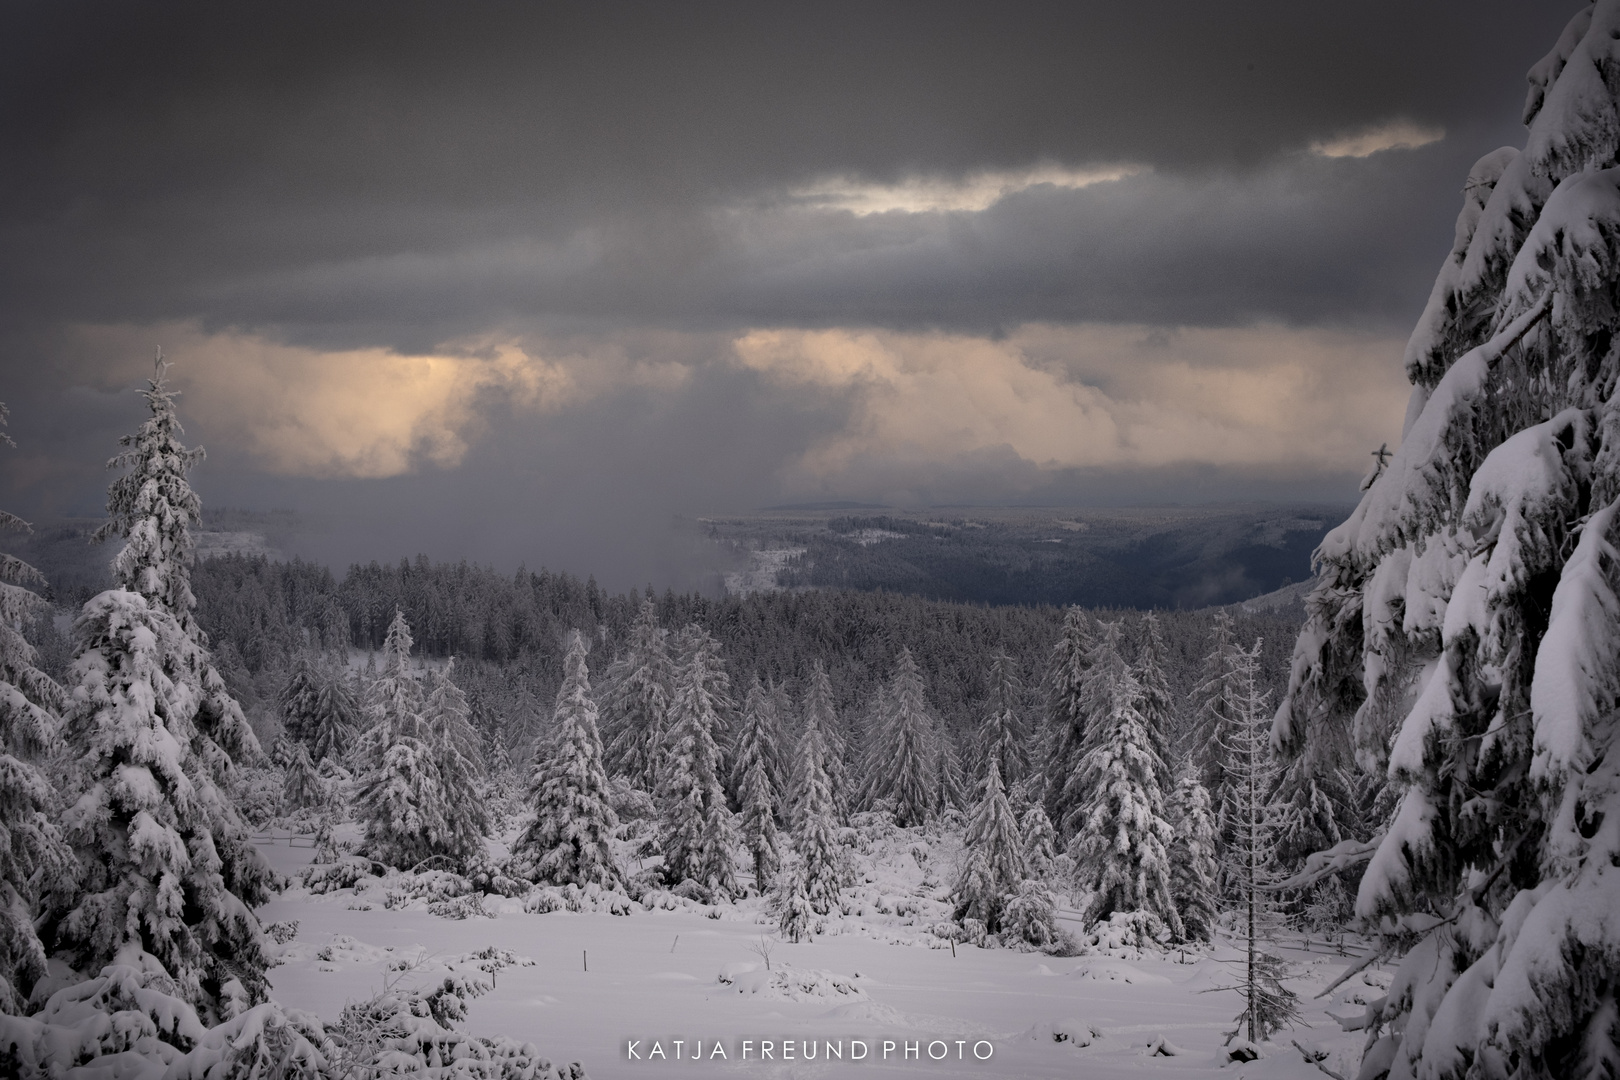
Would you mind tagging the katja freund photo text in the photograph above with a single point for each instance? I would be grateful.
(826, 1050)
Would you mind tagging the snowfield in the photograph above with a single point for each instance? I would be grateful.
(692, 978)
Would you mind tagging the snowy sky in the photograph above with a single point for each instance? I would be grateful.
(519, 282)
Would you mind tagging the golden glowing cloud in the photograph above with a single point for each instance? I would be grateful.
(1097, 395)
(363, 412)
(976, 191)
(1395, 135)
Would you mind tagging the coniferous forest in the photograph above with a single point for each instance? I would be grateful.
(259, 818)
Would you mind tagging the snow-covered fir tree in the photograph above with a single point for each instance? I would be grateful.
(1004, 737)
(402, 804)
(299, 699)
(1119, 835)
(1156, 704)
(1194, 869)
(1464, 634)
(993, 868)
(458, 752)
(1040, 841)
(1249, 863)
(636, 701)
(903, 764)
(1216, 703)
(153, 508)
(821, 869)
(698, 831)
(569, 839)
(817, 712)
(1065, 738)
(757, 793)
(336, 718)
(150, 823)
(394, 698)
(301, 787)
(33, 858)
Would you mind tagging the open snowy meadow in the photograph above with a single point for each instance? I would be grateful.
(664, 985)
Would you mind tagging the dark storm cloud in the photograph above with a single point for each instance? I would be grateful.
(301, 165)
(432, 178)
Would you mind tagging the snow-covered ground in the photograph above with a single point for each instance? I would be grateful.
(681, 979)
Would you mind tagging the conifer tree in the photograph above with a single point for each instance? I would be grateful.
(821, 870)
(1217, 702)
(1464, 632)
(1194, 871)
(1003, 738)
(447, 724)
(904, 765)
(699, 834)
(1040, 841)
(150, 823)
(752, 763)
(336, 715)
(636, 702)
(1065, 711)
(299, 700)
(1118, 830)
(994, 868)
(33, 858)
(394, 698)
(568, 840)
(301, 787)
(1157, 704)
(153, 508)
(818, 713)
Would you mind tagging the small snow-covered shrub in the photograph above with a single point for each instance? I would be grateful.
(1128, 930)
(1030, 917)
(258, 795)
(793, 983)
(462, 907)
(543, 899)
(281, 932)
(346, 873)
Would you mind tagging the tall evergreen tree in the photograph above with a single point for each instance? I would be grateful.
(1464, 634)
(336, 715)
(817, 713)
(1004, 739)
(34, 860)
(301, 787)
(568, 840)
(394, 698)
(1065, 711)
(457, 750)
(756, 741)
(1194, 871)
(150, 823)
(994, 868)
(299, 699)
(1157, 704)
(699, 833)
(904, 765)
(153, 508)
(822, 867)
(752, 765)
(1119, 835)
(636, 704)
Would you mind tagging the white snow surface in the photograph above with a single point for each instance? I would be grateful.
(880, 974)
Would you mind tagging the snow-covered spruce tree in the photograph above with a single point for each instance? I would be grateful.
(301, 787)
(447, 721)
(568, 840)
(1465, 627)
(1040, 841)
(1065, 737)
(752, 763)
(148, 823)
(636, 701)
(394, 699)
(153, 508)
(33, 858)
(1194, 870)
(698, 832)
(1118, 833)
(993, 868)
(1216, 702)
(822, 868)
(299, 699)
(1003, 738)
(1249, 862)
(336, 716)
(904, 761)
(1156, 704)
(816, 711)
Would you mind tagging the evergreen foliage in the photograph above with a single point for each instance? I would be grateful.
(1004, 738)
(994, 868)
(698, 834)
(1119, 833)
(904, 764)
(568, 840)
(757, 789)
(636, 704)
(336, 716)
(33, 858)
(1464, 634)
(1066, 713)
(458, 751)
(1194, 869)
(821, 869)
(301, 787)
